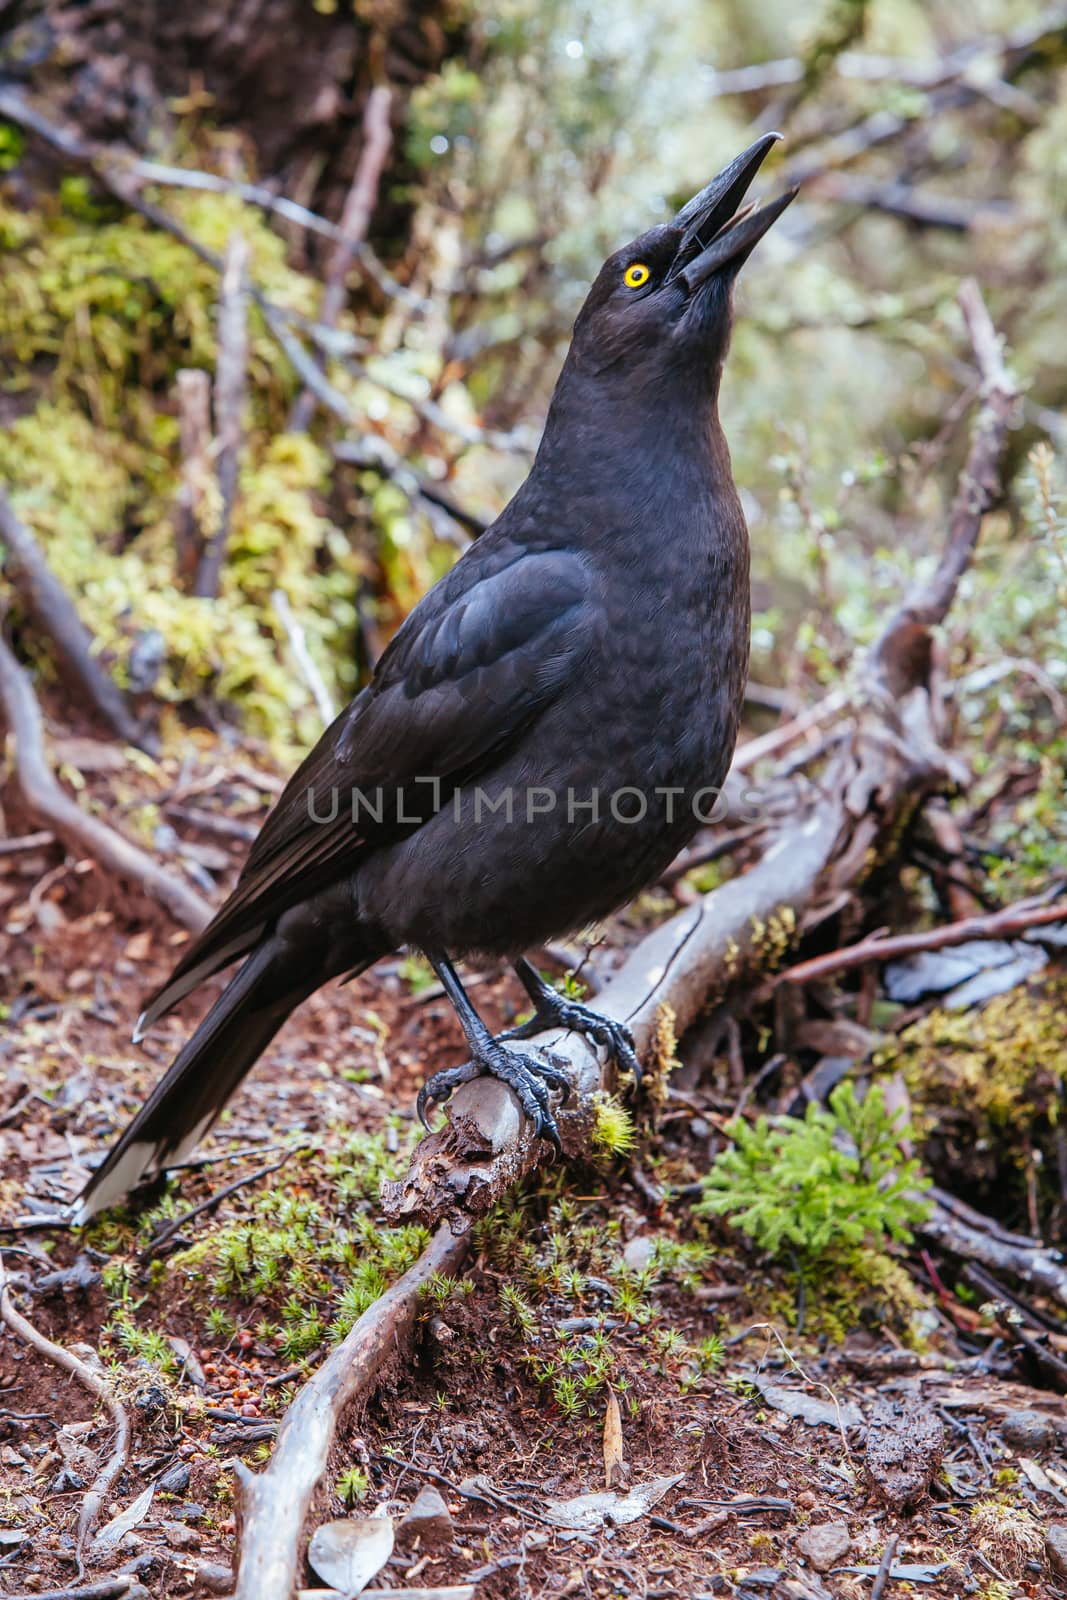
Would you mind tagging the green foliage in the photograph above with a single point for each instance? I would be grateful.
(352, 1486)
(832, 1180)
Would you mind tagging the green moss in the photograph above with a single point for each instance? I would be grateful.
(97, 316)
(988, 1088)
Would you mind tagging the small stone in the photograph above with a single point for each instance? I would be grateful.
(428, 1518)
(1056, 1548)
(214, 1577)
(638, 1253)
(825, 1545)
(188, 1511)
(1029, 1431)
(807, 1500)
(176, 1481)
(180, 1537)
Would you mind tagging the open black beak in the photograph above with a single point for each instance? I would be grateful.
(716, 233)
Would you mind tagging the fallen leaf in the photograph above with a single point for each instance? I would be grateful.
(586, 1512)
(1041, 1479)
(113, 1531)
(613, 1454)
(139, 948)
(350, 1552)
(816, 1413)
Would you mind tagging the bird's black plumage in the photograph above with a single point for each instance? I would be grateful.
(528, 753)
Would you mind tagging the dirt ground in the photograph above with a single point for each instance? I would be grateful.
(589, 1292)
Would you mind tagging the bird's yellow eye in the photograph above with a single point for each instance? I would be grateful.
(636, 275)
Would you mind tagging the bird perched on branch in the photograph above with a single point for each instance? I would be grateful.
(541, 736)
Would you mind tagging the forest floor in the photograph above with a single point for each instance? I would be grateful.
(753, 1425)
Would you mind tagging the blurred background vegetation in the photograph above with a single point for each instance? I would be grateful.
(528, 139)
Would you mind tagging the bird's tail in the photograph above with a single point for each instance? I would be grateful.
(184, 1105)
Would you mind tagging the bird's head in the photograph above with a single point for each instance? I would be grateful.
(663, 303)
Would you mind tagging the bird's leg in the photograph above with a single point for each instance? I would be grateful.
(529, 1077)
(554, 1010)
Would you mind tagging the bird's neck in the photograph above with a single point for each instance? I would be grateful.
(625, 463)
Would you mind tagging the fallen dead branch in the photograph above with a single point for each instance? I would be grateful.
(98, 1386)
(84, 834)
(1005, 923)
(890, 757)
(275, 1502)
(1027, 1260)
(51, 610)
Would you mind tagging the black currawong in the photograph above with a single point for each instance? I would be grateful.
(531, 749)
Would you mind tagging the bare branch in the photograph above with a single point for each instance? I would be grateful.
(1002, 924)
(194, 433)
(355, 220)
(303, 657)
(895, 655)
(276, 1501)
(51, 610)
(83, 833)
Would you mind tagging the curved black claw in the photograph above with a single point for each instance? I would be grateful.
(528, 1077)
(559, 1012)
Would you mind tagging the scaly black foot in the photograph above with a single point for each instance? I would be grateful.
(528, 1077)
(554, 1010)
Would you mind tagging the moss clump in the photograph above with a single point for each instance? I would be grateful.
(303, 1259)
(97, 316)
(988, 1089)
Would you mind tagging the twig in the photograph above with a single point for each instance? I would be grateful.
(894, 656)
(881, 1577)
(779, 739)
(83, 833)
(97, 1386)
(176, 1224)
(51, 609)
(254, 193)
(26, 841)
(355, 220)
(230, 384)
(1005, 923)
(194, 434)
(109, 1589)
(276, 1501)
(210, 822)
(303, 657)
(1032, 1263)
(911, 205)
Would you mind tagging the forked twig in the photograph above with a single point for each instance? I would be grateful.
(97, 1386)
